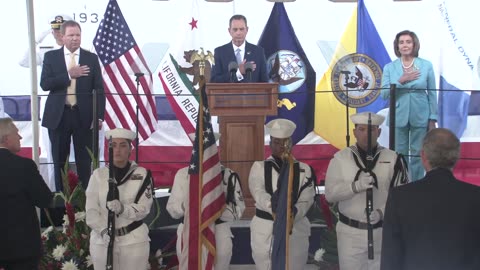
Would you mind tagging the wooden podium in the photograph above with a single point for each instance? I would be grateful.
(242, 108)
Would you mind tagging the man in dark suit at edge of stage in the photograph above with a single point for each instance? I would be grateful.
(22, 188)
(433, 223)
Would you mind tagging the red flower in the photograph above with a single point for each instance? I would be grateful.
(327, 214)
(70, 214)
(72, 180)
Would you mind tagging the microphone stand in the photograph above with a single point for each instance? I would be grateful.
(347, 109)
(137, 79)
(95, 130)
(136, 135)
(392, 112)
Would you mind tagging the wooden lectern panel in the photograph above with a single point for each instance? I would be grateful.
(244, 147)
(242, 108)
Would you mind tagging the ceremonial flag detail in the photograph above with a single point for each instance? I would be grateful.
(180, 68)
(354, 78)
(207, 200)
(288, 65)
(455, 76)
(122, 65)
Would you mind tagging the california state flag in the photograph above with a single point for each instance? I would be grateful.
(179, 69)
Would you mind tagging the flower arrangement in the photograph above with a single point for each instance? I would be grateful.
(156, 259)
(327, 256)
(68, 249)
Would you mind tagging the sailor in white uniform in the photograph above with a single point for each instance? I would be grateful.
(346, 183)
(135, 192)
(262, 182)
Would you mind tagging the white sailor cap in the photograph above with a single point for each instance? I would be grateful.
(120, 133)
(362, 118)
(281, 128)
(192, 136)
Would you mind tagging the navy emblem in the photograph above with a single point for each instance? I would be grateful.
(288, 69)
(358, 77)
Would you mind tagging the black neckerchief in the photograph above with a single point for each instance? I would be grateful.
(279, 161)
(363, 153)
(121, 172)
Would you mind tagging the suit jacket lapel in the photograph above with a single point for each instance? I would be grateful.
(248, 51)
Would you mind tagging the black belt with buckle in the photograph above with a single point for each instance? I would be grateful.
(358, 224)
(263, 214)
(127, 229)
(71, 107)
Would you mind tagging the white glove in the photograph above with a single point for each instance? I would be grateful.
(115, 206)
(376, 216)
(42, 36)
(364, 182)
(105, 236)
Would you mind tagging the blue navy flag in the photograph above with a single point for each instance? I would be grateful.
(283, 221)
(288, 65)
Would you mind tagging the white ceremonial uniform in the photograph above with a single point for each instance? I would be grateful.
(44, 43)
(352, 241)
(261, 229)
(223, 234)
(131, 251)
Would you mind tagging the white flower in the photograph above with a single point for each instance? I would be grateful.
(319, 255)
(65, 221)
(158, 255)
(79, 216)
(47, 232)
(58, 252)
(70, 265)
(89, 261)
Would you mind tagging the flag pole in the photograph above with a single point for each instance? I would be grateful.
(289, 211)
(200, 168)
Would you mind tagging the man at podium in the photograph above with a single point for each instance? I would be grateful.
(238, 60)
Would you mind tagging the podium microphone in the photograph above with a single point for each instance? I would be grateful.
(248, 71)
(232, 68)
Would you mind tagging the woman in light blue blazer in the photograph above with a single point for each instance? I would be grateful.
(416, 98)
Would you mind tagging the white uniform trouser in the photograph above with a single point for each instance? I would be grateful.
(134, 256)
(261, 241)
(353, 250)
(223, 242)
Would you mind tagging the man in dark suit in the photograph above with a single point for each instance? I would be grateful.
(433, 223)
(21, 189)
(246, 55)
(71, 74)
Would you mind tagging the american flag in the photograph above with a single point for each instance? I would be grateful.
(206, 200)
(121, 59)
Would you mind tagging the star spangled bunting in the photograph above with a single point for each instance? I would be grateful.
(206, 198)
(121, 60)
